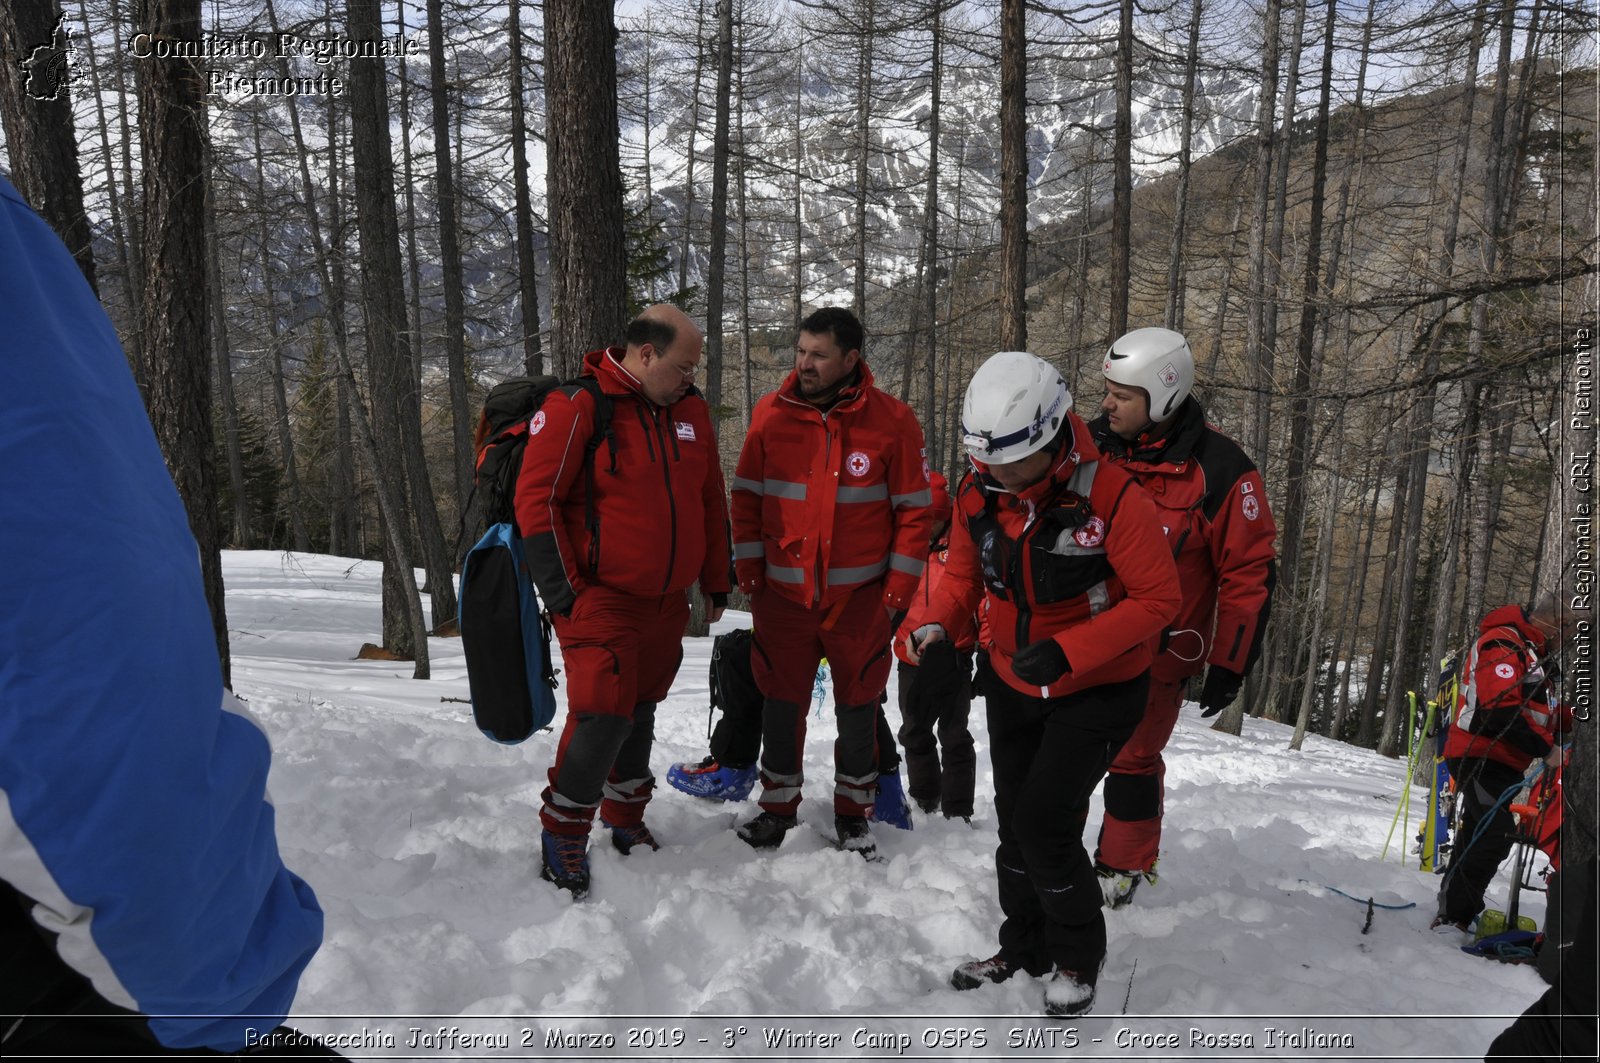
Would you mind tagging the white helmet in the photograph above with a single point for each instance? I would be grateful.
(1015, 405)
(1156, 360)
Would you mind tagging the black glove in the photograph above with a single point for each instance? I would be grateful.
(1221, 687)
(719, 599)
(1040, 663)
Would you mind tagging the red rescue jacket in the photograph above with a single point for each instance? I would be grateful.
(1506, 710)
(1101, 583)
(824, 502)
(964, 634)
(1213, 508)
(661, 515)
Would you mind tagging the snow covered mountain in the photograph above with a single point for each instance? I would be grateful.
(801, 146)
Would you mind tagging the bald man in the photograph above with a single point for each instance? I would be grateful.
(614, 534)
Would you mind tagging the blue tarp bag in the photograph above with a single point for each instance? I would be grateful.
(506, 638)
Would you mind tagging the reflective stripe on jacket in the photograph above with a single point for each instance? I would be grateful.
(824, 502)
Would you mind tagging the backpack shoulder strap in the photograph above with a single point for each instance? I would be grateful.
(602, 418)
(602, 432)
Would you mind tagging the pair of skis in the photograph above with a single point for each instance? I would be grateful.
(1434, 840)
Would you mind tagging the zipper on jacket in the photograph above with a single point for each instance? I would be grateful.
(827, 452)
(644, 422)
(1020, 589)
(672, 504)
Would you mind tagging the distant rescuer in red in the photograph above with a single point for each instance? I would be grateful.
(1507, 716)
(1213, 507)
(830, 536)
(1079, 581)
(614, 585)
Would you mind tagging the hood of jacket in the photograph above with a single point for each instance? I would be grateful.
(1516, 618)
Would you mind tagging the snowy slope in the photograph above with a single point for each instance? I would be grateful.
(420, 837)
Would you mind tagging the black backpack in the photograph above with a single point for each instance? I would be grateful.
(736, 740)
(504, 632)
(502, 436)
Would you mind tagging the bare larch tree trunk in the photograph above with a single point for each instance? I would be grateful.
(1300, 411)
(527, 263)
(588, 271)
(293, 505)
(36, 106)
(1258, 345)
(930, 233)
(243, 526)
(1013, 176)
(389, 362)
(1273, 263)
(455, 312)
(1121, 177)
(173, 314)
(1176, 280)
(716, 267)
(864, 75)
(694, 134)
(121, 234)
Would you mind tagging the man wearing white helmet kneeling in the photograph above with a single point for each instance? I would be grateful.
(1213, 507)
(1079, 581)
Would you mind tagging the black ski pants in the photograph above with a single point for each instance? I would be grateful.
(1561, 1024)
(1049, 755)
(49, 1009)
(1479, 783)
(936, 699)
(736, 739)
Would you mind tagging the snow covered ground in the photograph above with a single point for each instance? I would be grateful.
(421, 839)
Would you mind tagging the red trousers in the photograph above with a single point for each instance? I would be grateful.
(620, 653)
(1130, 835)
(790, 641)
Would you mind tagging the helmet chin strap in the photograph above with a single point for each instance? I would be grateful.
(987, 478)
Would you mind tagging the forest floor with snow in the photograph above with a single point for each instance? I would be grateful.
(420, 837)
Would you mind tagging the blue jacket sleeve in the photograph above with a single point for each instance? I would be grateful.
(133, 810)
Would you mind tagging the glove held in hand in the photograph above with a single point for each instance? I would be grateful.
(1220, 689)
(1040, 663)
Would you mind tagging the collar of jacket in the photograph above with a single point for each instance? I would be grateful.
(1516, 618)
(605, 365)
(849, 398)
(1170, 448)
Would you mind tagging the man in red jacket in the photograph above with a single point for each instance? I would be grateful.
(1068, 554)
(1507, 717)
(936, 691)
(830, 535)
(612, 570)
(1213, 507)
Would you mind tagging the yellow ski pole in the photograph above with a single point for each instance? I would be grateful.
(1405, 786)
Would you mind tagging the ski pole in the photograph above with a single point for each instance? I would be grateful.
(1405, 785)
